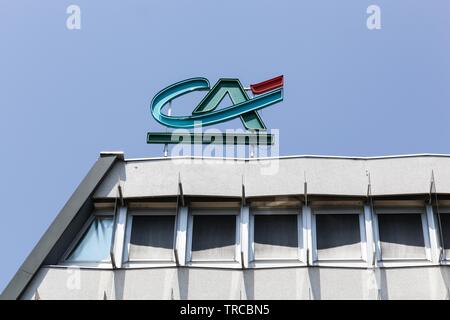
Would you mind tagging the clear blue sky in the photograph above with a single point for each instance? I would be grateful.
(67, 95)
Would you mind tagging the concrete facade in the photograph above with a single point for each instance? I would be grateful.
(325, 176)
(308, 183)
(273, 284)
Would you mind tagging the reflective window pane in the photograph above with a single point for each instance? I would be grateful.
(96, 242)
(152, 237)
(401, 236)
(445, 223)
(275, 236)
(338, 236)
(213, 237)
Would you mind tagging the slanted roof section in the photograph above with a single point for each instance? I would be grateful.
(48, 241)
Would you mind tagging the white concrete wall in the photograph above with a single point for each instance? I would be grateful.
(281, 283)
(325, 176)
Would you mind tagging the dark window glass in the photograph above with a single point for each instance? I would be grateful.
(275, 236)
(445, 223)
(338, 236)
(401, 236)
(152, 237)
(213, 237)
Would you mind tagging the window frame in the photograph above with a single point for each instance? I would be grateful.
(97, 212)
(214, 211)
(300, 260)
(127, 239)
(402, 262)
(443, 210)
(342, 262)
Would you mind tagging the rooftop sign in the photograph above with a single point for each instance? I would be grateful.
(206, 113)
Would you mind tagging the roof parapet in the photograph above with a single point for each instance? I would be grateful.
(119, 154)
(305, 156)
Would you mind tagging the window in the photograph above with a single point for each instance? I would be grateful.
(275, 234)
(402, 234)
(214, 235)
(445, 225)
(444, 218)
(339, 235)
(95, 244)
(150, 235)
